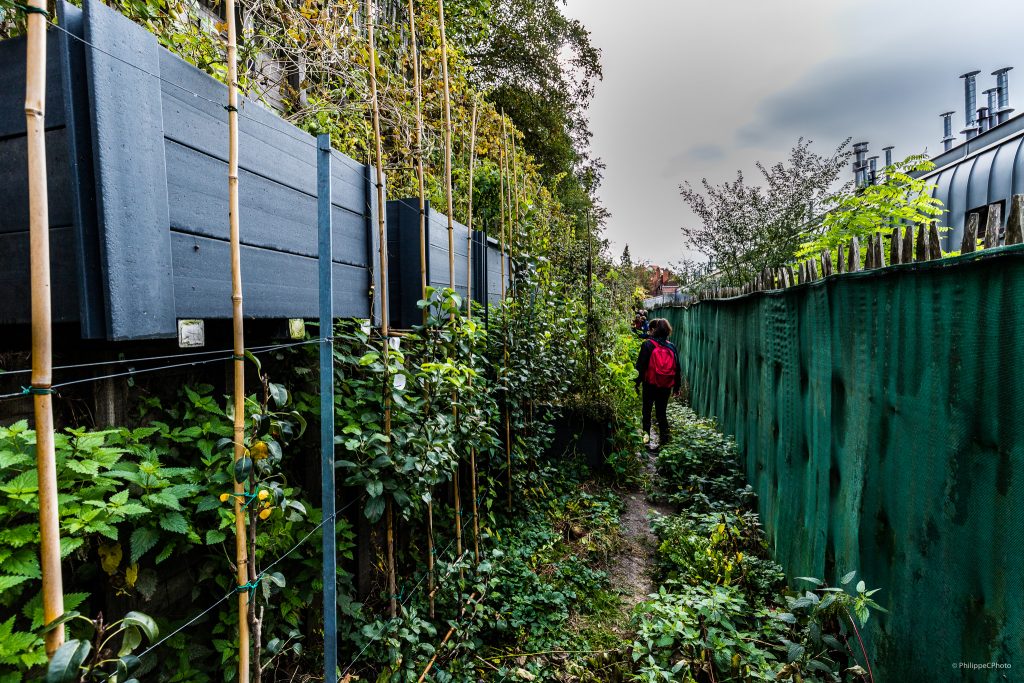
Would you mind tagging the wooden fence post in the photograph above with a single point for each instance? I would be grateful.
(993, 226)
(854, 264)
(935, 244)
(895, 247)
(1015, 220)
(922, 244)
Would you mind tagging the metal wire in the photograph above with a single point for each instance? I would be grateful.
(131, 372)
(235, 591)
(403, 603)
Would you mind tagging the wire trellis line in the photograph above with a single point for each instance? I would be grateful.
(141, 371)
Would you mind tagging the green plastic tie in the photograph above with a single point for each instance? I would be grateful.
(230, 107)
(251, 586)
(29, 9)
(234, 357)
(37, 391)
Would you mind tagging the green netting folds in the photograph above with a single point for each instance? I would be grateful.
(881, 415)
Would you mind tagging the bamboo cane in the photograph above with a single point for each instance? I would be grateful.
(418, 152)
(508, 422)
(444, 641)
(241, 550)
(515, 186)
(384, 315)
(451, 245)
(42, 334)
(469, 314)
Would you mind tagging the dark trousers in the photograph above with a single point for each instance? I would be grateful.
(657, 398)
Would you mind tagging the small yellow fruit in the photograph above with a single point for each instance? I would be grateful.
(263, 494)
(259, 451)
(224, 497)
(264, 513)
(267, 504)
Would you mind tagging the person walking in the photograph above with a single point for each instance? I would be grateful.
(658, 377)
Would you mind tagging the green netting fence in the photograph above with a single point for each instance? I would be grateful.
(881, 415)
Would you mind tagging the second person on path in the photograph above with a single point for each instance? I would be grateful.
(659, 375)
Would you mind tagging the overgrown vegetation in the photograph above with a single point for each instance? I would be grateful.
(722, 612)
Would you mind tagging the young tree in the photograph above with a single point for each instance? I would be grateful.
(899, 198)
(746, 228)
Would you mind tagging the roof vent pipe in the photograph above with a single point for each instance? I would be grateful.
(970, 103)
(993, 106)
(888, 155)
(872, 176)
(860, 151)
(983, 120)
(1003, 84)
(947, 131)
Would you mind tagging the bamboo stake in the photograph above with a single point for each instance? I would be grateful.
(451, 248)
(469, 314)
(515, 187)
(42, 333)
(418, 151)
(508, 423)
(444, 641)
(241, 550)
(384, 316)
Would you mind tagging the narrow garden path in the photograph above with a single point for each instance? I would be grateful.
(632, 568)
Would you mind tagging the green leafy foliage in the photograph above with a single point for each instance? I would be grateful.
(900, 197)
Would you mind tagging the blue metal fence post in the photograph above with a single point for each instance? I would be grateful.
(325, 258)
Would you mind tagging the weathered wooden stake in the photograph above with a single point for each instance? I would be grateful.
(970, 239)
(908, 244)
(922, 244)
(895, 247)
(854, 264)
(42, 332)
(840, 259)
(935, 245)
(1015, 220)
(993, 225)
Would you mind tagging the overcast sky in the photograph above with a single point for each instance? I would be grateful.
(701, 88)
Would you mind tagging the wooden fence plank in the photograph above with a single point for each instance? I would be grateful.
(895, 247)
(993, 225)
(1015, 220)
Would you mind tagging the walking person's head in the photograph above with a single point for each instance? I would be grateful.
(660, 328)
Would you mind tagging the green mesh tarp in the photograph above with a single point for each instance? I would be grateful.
(881, 415)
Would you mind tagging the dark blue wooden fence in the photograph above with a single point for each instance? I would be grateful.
(404, 260)
(137, 163)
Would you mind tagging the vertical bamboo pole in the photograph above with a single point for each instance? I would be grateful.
(504, 207)
(469, 313)
(515, 184)
(418, 152)
(42, 334)
(384, 315)
(451, 246)
(241, 552)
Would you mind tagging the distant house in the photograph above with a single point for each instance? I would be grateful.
(666, 288)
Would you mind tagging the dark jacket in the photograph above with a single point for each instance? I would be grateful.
(645, 357)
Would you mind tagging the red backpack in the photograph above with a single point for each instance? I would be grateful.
(661, 368)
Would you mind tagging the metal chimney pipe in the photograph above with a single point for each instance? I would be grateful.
(947, 131)
(1003, 84)
(993, 106)
(860, 150)
(983, 120)
(888, 155)
(872, 170)
(970, 103)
